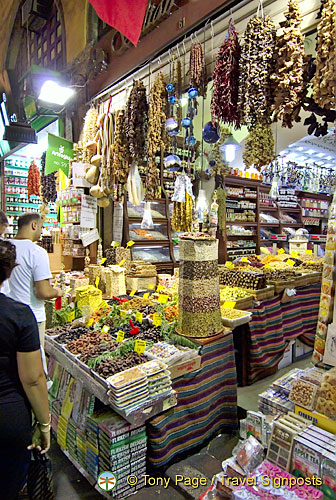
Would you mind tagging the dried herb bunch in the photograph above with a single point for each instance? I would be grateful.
(255, 68)
(197, 69)
(120, 151)
(324, 81)
(226, 78)
(179, 87)
(289, 88)
(259, 148)
(89, 132)
(137, 121)
(48, 183)
(222, 168)
(156, 136)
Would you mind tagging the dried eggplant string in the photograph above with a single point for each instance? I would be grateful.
(288, 79)
(226, 77)
(137, 121)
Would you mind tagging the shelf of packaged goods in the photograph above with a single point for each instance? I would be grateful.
(241, 249)
(16, 213)
(269, 224)
(318, 196)
(245, 198)
(14, 167)
(14, 175)
(23, 204)
(291, 224)
(242, 223)
(74, 256)
(17, 194)
(241, 235)
(15, 185)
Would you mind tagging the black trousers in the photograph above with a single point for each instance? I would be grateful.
(15, 436)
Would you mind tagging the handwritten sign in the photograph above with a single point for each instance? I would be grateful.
(140, 346)
(120, 336)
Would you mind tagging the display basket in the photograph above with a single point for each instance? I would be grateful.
(233, 323)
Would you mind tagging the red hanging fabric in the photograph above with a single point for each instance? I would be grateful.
(126, 16)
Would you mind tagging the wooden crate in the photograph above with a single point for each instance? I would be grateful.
(300, 281)
(263, 294)
(280, 286)
(313, 278)
(244, 304)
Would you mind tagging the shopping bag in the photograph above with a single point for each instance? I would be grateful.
(40, 479)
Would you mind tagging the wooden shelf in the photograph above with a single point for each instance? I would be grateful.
(238, 223)
(267, 208)
(138, 220)
(291, 224)
(266, 224)
(151, 243)
(293, 210)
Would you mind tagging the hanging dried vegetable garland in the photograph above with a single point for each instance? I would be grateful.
(197, 69)
(137, 121)
(222, 167)
(178, 88)
(120, 152)
(255, 67)
(91, 124)
(324, 81)
(182, 214)
(33, 181)
(289, 87)
(156, 133)
(221, 200)
(226, 77)
(48, 183)
(259, 147)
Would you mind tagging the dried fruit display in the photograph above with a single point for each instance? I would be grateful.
(137, 121)
(259, 148)
(121, 158)
(255, 68)
(197, 69)
(33, 182)
(226, 78)
(156, 133)
(324, 81)
(110, 367)
(289, 87)
(48, 183)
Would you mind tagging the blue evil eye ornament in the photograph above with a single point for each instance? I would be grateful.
(170, 87)
(212, 163)
(172, 163)
(172, 126)
(192, 93)
(210, 133)
(209, 170)
(186, 122)
(191, 140)
(171, 99)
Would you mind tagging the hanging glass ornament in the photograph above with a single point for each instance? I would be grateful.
(192, 93)
(171, 99)
(201, 163)
(212, 163)
(172, 163)
(210, 133)
(209, 170)
(190, 140)
(172, 126)
(170, 87)
(186, 122)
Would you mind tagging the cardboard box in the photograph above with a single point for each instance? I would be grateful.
(183, 367)
(288, 356)
(306, 458)
(299, 348)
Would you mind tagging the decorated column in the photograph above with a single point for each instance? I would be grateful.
(199, 300)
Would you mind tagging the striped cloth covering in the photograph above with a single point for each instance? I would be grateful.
(207, 403)
(273, 324)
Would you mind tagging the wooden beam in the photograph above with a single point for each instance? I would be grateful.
(165, 34)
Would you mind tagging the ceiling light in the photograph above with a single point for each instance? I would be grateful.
(311, 151)
(301, 158)
(328, 164)
(329, 158)
(319, 163)
(54, 93)
(283, 153)
(300, 148)
(229, 147)
(291, 145)
(320, 155)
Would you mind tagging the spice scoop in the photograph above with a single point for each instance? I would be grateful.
(135, 329)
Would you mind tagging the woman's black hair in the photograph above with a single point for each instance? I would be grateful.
(7, 259)
(3, 218)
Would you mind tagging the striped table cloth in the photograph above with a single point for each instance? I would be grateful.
(207, 403)
(273, 324)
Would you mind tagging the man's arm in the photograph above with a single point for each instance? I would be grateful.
(44, 291)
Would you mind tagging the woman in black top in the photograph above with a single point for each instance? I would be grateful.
(22, 386)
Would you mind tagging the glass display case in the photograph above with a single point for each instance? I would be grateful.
(159, 232)
(152, 254)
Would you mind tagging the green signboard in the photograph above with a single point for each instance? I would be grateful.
(59, 153)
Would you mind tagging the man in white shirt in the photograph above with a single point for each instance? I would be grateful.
(29, 281)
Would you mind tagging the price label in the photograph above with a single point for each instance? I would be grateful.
(151, 287)
(105, 329)
(71, 316)
(56, 282)
(290, 262)
(145, 295)
(281, 251)
(230, 304)
(229, 264)
(97, 281)
(140, 346)
(163, 299)
(122, 262)
(139, 317)
(157, 321)
(130, 244)
(103, 260)
(159, 288)
(132, 293)
(294, 253)
(123, 314)
(309, 252)
(244, 259)
(120, 336)
(114, 244)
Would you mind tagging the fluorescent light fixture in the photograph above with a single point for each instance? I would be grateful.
(320, 155)
(311, 151)
(300, 148)
(54, 93)
(329, 158)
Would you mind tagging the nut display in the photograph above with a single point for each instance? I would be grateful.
(245, 279)
(87, 341)
(110, 367)
(288, 83)
(303, 394)
(226, 78)
(232, 313)
(255, 68)
(96, 350)
(72, 334)
(233, 293)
